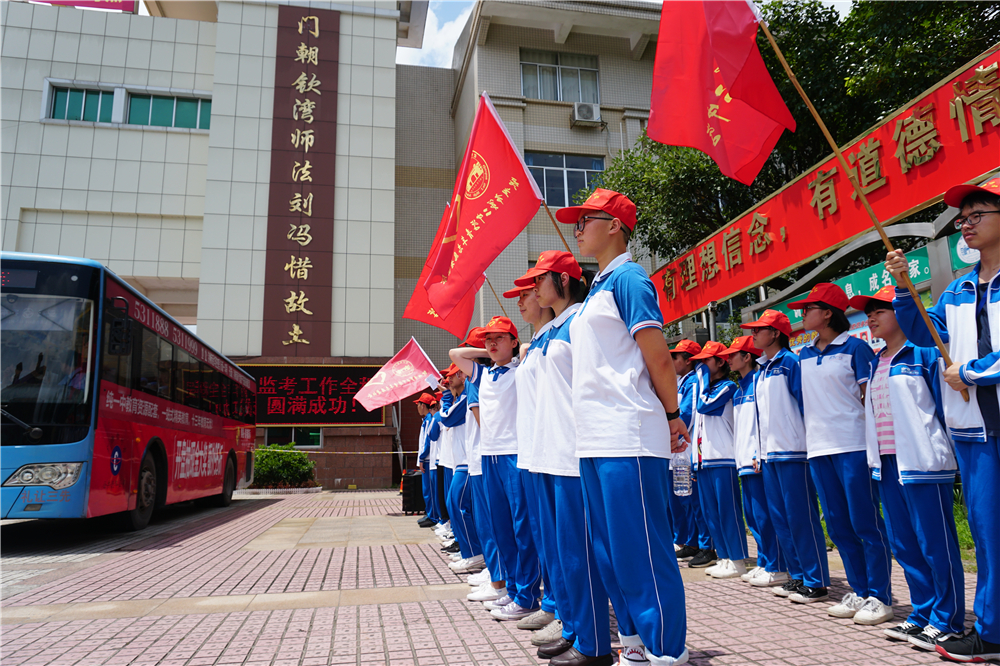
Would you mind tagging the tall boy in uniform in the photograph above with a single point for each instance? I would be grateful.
(625, 401)
(967, 316)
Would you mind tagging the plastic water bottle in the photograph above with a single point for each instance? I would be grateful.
(682, 473)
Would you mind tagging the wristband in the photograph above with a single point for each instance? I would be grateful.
(676, 414)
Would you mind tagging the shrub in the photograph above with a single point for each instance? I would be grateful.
(281, 466)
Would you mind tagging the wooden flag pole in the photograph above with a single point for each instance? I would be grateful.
(495, 296)
(556, 225)
(905, 278)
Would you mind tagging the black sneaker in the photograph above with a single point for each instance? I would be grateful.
(686, 553)
(902, 632)
(791, 587)
(929, 638)
(426, 522)
(809, 595)
(453, 548)
(703, 559)
(970, 647)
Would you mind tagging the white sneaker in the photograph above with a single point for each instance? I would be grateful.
(551, 632)
(477, 579)
(719, 565)
(633, 655)
(443, 528)
(498, 603)
(751, 574)
(873, 612)
(770, 579)
(487, 592)
(848, 606)
(512, 612)
(454, 557)
(447, 544)
(468, 564)
(677, 548)
(732, 569)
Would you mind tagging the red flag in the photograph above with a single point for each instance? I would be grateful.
(493, 200)
(403, 375)
(420, 309)
(711, 89)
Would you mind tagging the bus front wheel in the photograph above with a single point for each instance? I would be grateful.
(145, 500)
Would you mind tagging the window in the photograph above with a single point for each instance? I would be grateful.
(79, 104)
(562, 176)
(564, 77)
(155, 365)
(160, 111)
(311, 438)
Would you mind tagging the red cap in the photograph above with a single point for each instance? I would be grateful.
(558, 261)
(518, 290)
(612, 203)
(685, 345)
(885, 294)
(955, 195)
(774, 319)
(475, 338)
(450, 370)
(500, 325)
(824, 292)
(711, 348)
(426, 399)
(438, 395)
(744, 343)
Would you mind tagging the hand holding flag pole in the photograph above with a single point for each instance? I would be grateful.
(904, 278)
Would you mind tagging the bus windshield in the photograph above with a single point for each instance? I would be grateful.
(45, 352)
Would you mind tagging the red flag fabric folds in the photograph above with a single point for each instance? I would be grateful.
(420, 309)
(403, 375)
(711, 89)
(493, 200)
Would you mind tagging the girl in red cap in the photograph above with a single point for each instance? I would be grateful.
(835, 371)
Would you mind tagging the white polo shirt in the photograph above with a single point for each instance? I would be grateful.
(526, 378)
(617, 411)
(497, 408)
(831, 395)
(555, 433)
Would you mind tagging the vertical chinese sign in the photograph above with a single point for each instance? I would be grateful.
(298, 274)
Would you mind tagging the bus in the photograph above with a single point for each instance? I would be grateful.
(109, 405)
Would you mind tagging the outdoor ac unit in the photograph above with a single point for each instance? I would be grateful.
(588, 115)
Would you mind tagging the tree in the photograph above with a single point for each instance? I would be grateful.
(855, 71)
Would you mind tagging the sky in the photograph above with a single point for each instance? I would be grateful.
(446, 18)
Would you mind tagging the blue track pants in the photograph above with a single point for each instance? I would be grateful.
(463, 522)
(425, 487)
(445, 497)
(432, 510)
(631, 533)
(980, 468)
(759, 521)
(692, 529)
(484, 527)
(579, 589)
(721, 504)
(850, 504)
(791, 501)
(921, 528)
(512, 529)
(530, 483)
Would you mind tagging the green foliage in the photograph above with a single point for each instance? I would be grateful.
(966, 545)
(281, 466)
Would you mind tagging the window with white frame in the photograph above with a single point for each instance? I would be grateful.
(81, 104)
(561, 176)
(159, 111)
(564, 77)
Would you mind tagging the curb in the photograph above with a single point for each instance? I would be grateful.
(254, 492)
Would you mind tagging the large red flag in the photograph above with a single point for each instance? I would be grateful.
(494, 199)
(711, 89)
(404, 374)
(420, 309)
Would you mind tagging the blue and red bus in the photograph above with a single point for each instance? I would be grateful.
(109, 405)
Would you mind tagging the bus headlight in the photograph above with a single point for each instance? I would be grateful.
(55, 475)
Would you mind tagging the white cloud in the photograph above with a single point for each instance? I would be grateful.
(439, 41)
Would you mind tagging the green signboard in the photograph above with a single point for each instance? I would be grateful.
(962, 256)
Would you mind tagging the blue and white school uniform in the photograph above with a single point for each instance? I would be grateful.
(915, 484)
(424, 452)
(968, 318)
(623, 446)
(747, 450)
(525, 380)
(582, 599)
(835, 435)
(791, 494)
(685, 509)
(480, 508)
(507, 500)
(718, 483)
(446, 455)
(463, 522)
(433, 453)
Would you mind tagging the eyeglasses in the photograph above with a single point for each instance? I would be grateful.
(973, 219)
(582, 222)
(807, 308)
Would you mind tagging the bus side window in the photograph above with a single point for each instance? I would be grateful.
(115, 369)
(186, 380)
(149, 363)
(165, 380)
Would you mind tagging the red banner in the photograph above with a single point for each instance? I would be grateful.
(493, 200)
(403, 375)
(949, 135)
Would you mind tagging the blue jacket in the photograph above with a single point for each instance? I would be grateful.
(714, 427)
(686, 390)
(745, 440)
(778, 391)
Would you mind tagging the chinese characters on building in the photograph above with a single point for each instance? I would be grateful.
(314, 395)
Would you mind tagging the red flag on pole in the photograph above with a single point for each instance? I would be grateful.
(420, 309)
(493, 200)
(404, 374)
(711, 89)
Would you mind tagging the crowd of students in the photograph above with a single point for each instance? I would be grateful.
(548, 462)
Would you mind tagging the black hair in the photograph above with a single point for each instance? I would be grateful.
(578, 289)
(684, 355)
(783, 340)
(875, 304)
(838, 320)
(984, 198)
(725, 368)
(626, 233)
(753, 357)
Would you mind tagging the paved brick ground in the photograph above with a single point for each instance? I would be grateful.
(728, 621)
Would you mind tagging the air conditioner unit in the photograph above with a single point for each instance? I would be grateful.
(588, 115)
